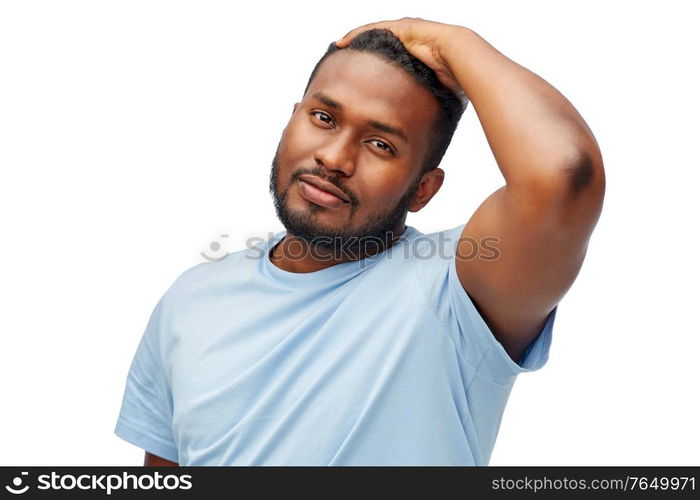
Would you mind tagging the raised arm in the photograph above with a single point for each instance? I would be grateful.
(544, 215)
(546, 212)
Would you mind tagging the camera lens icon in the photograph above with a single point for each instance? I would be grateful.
(17, 482)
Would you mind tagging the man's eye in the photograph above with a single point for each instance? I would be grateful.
(382, 145)
(321, 113)
(386, 147)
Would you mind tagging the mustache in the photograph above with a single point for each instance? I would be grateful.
(331, 180)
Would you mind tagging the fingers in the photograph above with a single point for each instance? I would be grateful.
(347, 38)
(394, 25)
(352, 34)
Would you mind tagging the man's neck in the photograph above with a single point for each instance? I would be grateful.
(296, 255)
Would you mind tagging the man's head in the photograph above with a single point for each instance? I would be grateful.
(374, 123)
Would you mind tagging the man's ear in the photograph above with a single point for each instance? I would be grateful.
(296, 105)
(428, 187)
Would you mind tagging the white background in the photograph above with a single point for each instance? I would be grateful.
(135, 133)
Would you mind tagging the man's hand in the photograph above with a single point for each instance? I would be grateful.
(424, 40)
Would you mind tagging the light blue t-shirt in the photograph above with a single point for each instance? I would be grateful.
(381, 361)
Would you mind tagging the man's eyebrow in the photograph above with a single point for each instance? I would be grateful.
(389, 129)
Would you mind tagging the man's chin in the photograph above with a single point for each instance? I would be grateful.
(312, 225)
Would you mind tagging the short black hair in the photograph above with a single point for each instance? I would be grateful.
(387, 46)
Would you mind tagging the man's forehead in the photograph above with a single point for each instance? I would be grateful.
(367, 72)
(366, 84)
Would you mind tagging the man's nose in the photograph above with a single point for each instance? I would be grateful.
(338, 154)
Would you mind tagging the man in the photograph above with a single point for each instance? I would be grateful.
(351, 338)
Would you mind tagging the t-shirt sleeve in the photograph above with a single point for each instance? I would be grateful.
(145, 418)
(475, 343)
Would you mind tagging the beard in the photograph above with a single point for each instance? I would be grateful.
(376, 232)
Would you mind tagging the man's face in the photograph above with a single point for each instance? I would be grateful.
(333, 138)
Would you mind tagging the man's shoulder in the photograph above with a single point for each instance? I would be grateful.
(433, 246)
(429, 253)
(206, 274)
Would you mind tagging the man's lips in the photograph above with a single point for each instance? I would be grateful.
(318, 196)
(324, 186)
(321, 192)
